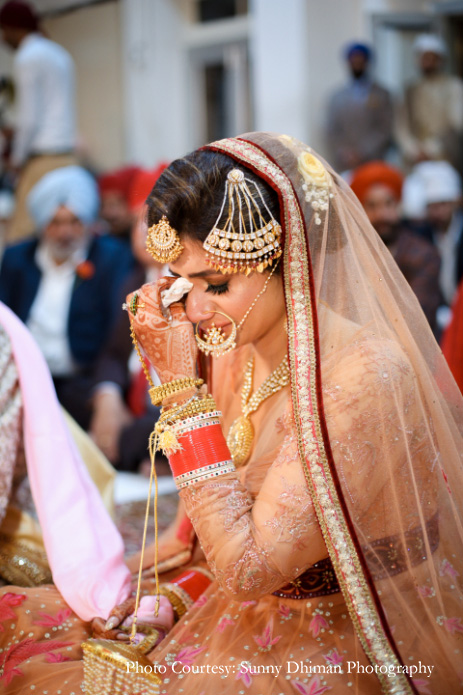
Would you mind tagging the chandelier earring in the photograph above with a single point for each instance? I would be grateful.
(162, 242)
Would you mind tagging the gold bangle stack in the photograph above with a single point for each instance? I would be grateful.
(159, 393)
(179, 599)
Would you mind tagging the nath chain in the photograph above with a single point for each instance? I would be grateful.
(257, 297)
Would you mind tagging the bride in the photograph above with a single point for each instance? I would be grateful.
(321, 477)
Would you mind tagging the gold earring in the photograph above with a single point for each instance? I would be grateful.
(216, 342)
(162, 242)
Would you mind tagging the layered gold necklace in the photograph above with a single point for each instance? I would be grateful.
(241, 433)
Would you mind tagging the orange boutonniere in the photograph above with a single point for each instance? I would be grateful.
(85, 270)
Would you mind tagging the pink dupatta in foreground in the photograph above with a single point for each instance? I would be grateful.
(84, 548)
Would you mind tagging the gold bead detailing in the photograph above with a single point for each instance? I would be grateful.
(241, 433)
(162, 242)
(178, 598)
(215, 341)
(21, 564)
(112, 668)
(159, 393)
(245, 248)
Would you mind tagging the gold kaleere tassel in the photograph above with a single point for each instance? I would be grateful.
(115, 668)
(112, 668)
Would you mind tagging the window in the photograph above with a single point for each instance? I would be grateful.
(211, 10)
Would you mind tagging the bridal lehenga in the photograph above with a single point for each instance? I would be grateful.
(337, 547)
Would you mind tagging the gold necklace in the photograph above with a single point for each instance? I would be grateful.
(241, 433)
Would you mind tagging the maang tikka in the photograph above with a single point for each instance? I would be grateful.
(255, 243)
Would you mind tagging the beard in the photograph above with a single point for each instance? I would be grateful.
(387, 231)
(62, 251)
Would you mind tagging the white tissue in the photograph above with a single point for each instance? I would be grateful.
(180, 287)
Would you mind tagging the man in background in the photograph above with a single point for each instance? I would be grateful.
(378, 186)
(44, 137)
(442, 196)
(65, 284)
(430, 121)
(360, 115)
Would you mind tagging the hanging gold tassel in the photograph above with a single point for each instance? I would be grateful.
(115, 668)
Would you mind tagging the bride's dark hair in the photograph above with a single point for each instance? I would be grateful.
(190, 193)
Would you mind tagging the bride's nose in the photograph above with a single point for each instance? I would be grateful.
(198, 307)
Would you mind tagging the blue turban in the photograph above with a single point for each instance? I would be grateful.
(358, 48)
(72, 187)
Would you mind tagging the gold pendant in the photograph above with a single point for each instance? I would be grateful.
(239, 439)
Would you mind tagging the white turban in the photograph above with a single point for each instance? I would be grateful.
(429, 43)
(440, 181)
(72, 187)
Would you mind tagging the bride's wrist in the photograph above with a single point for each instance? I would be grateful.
(175, 390)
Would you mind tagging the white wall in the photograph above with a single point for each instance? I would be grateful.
(92, 36)
(156, 106)
(280, 67)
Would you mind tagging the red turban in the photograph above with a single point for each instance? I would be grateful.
(373, 173)
(142, 183)
(19, 15)
(118, 181)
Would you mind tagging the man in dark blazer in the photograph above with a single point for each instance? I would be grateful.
(65, 285)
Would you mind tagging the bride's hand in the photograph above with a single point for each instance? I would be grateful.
(169, 343)
(121, 619)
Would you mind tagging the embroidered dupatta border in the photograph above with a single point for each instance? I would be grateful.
(359, 594)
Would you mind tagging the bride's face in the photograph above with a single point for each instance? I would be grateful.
(232, 294)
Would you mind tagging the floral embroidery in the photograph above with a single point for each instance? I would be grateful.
(447, 568)
(244, 675)
(56, 658)
(266, 641)
(223, 622)
(21, 651)
(422, 686)
(426, 591)
(7, 601)
(187, 655)
(334, 657)
(452, 625)
(53, 620)
(202, 600)
(313, 687)
(317, 624)
(285, 612)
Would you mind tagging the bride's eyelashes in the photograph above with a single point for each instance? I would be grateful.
(218, 289)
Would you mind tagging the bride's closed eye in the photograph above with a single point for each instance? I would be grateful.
(218, 289)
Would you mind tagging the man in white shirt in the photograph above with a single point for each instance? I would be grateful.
(45, 136)
(430, 119)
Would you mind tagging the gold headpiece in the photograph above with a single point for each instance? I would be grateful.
(248, 248)
(162, 242)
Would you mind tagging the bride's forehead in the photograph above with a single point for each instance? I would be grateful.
(192, 258)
